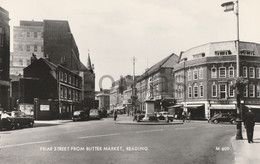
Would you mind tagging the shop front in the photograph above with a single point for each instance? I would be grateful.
(222, 108)
(197, 111)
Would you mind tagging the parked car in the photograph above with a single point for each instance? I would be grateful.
(20, 119)
(6, 123)
(223, 118)
(94, 114)
(79, 116)
(163, 115)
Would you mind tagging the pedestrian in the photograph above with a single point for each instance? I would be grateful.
(183, 116)
(115, 115)
(249, 125)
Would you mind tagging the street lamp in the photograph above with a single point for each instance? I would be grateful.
(229, 6)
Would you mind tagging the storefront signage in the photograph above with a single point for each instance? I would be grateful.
(252, 101)
(44, 108)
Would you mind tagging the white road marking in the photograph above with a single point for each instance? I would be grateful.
(104, 135)
(185, 128)
(24, 144)
(158, 130)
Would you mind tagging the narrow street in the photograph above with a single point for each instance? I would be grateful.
(104, 141)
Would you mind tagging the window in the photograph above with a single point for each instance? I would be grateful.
(35, 48)
(222, 53)
(1, 36)
(258, 73)
(20, 62)
(65, 77)
(201, 73)
(195, 90)
(196, 56)
(28, 62)
(189, 91)
(61, 76)
(61, 92)
(201, 91)
(251, 72)
(251, 90)
(189, 75)
(231, 72)
(231, 91)
(20, 48)
(35, 34)
(195, 74)
(65, 93)
(69, 93)
(245, 72)
(42, 49)
(246, 91)
(247, 52)
(213, 72)
(222, 91)
(69, 79)
(28, 48)
(214, 90)
(28, 34)
(222, 72)
(258, 90)
(76, 95)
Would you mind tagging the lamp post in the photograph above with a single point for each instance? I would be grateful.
(229, 6)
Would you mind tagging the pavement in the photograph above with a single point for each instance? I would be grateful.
(247, 153)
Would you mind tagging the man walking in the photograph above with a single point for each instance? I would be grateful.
(249, 125)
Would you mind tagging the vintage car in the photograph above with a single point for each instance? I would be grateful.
(163, 115)
(94, 114)
(223, 118)
(17, 119)
(80, 116)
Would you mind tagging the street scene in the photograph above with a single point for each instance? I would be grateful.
(129, 82)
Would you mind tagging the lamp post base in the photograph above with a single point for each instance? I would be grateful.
(239, 130)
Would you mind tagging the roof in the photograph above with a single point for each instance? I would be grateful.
(167, 62)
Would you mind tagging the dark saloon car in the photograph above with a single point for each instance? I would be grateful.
(79, 116)
(20, 119)
(223, 118)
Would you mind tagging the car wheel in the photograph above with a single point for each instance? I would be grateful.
(215, 121)
(31, 124)
(233, 122)
(18, 125)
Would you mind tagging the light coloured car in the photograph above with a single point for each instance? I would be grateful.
(94, 114)
(163, 115)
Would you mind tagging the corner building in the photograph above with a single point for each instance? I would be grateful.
(205, 77)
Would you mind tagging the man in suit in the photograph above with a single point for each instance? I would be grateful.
(249, 125)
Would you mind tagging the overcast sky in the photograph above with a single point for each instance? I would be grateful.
(117, 30)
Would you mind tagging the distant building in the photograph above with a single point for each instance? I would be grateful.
(4, 59)
(103, 98)
(157, 84)
(205, 79)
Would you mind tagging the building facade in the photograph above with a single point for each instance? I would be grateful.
(157, 84)
(54, 83)
(205, 78)
(4, 59)
(103, 99)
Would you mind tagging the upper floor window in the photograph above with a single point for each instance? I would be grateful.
(189, 75)
(20, 62)
(35, 48)
(195, 74)
(28, 62)
(251, 90)
(222, 91)
(257, 72)
(222, 72)
(35, 34)
(214, 90)
(245, 91)
(189, 91)
(195, 90)
(1, 36)
(201, 73)
(61, 76)
(69, 79)
(65, 77)
(231, 71)
(251, 72)
(201, 90)
(201, 55)
(247, 52)
(213, 72)
(28, 34)
(258, 90)
(28, 48)
(221, 53)
(245, 72)
(231, 91)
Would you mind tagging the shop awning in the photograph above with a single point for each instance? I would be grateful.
(223, 106)
(193, 105)
(253, 106)
(175, 106)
